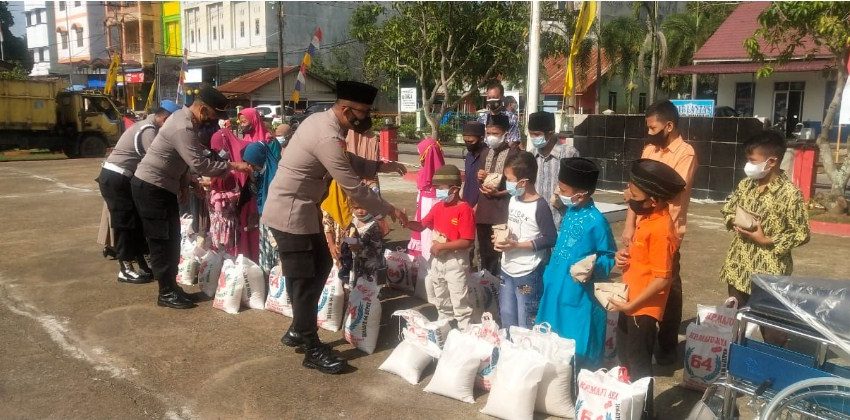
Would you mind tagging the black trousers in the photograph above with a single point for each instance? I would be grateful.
(129, 236)
(668, 328)
(635, 343)
(160, 215)
(490, 259)
(305, 263)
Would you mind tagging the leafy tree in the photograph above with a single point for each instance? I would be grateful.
(622, 39)
(15, 48)
(784, 28)
(686, 33)
(451, 48)
(654, 43)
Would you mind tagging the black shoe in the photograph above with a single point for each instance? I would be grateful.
(293, 339)
(144, 268)
(109, 252)
(175, 300)
(127, 273)
(321, 358)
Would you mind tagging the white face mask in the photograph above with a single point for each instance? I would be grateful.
(494, 141)
(756, 170)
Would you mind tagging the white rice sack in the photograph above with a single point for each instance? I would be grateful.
(187, 267)
(278, 298)
(458, 364)
(363, 317)
(488, 330)
(609, 356)
(723, 316)
(706, 353)
(401, 271)
(517, 377)
(428, 335)
(254, 293)
(423, 289)
(483, 293)
(228, 296)
(602, 395)
(555, 392)
(408, 360)
(209, 270)
(331, 307)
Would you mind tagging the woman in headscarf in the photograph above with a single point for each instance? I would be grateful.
(264, 157)
(431, 159)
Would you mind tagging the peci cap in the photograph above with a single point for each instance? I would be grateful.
(579, 173)
(541, 121)
(447, 175)
(473, 128)
(656, 179)
(215, 100)
(356, 92)
(500, 120)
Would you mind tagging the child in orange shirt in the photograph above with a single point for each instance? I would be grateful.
(647, 265)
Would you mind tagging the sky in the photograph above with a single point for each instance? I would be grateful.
(20, 26)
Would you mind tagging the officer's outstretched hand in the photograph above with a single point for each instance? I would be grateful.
(392, 167)
(241, 167)
(398, 216)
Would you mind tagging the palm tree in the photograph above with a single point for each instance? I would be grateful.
(621, 39)
(655, 43)
(687, 32)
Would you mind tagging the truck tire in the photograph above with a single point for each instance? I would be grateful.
(71, 149)
(92, 146)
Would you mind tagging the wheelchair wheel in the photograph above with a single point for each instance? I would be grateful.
(816, 398)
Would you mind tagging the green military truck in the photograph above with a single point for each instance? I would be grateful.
(36, 114)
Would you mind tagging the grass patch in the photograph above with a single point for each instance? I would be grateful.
(36, 154)
(822, 215)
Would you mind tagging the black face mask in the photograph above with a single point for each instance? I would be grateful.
(638, 208)
(360, 125)
(494, 106)
(474, 147)
(658, 139)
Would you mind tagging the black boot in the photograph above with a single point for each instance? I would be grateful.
(322, 358)
(293, 339)
(144, 268)
(174, 299)
(127, 273)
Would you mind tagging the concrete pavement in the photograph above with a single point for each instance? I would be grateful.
(77, 344)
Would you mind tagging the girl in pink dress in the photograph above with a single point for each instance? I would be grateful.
(431, 159)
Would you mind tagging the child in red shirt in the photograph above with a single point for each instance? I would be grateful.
(647, 264)
(453, 222)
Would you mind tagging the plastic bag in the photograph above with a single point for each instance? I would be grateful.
(454, 376)
(423, 289)
(609, 357)
(228, 295)
(487, 330)
(363, 317)
(278, 298)
(331, 307)
(483, 293)
(604, 395)
(187, 267)
(518, 376)
(254, 293)
(209, 271)
(428, 335)
(401, 271)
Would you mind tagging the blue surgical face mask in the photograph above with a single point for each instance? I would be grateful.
(538, 142)
(443, 195)
(568, 201)
(366, 218)
(513, 190)
(282, 140)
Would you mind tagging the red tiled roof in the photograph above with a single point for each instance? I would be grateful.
(727, 42)
(249, 82)
(556, 71)
(752, 67)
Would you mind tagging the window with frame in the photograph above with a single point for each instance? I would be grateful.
(77, 3)
(29, 18)
(641, 102)
(35, 56)
(214, 32)
(38, 18)
(61, 6)
(79, 37)
(745, 98)
(242, 29)
(612, 101)
(256, 26)
(192, 37)
(41, 54)
(64, 39)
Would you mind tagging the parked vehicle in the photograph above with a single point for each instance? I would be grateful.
(312, 109)
(275, 113)
(43, 115)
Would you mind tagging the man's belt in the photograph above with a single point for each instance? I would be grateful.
(117, 169)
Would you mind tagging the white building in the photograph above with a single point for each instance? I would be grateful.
(41, 38)
(79, 34)
(246, 32)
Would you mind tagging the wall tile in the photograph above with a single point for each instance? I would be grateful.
(684, 127)
(597, 146)
(583, 128)
(581, 144)
(597, 125)
(700, 129)
(747, 127)
(635, 127)
(613, 148)
(720, 179)
(703, 152)
(615, 126)
(633, 148)
(701, 177)
(722, 155)
(725, 129)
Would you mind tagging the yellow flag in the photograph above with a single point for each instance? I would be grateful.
(112, 74)
(586, 16)
(149, 105)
